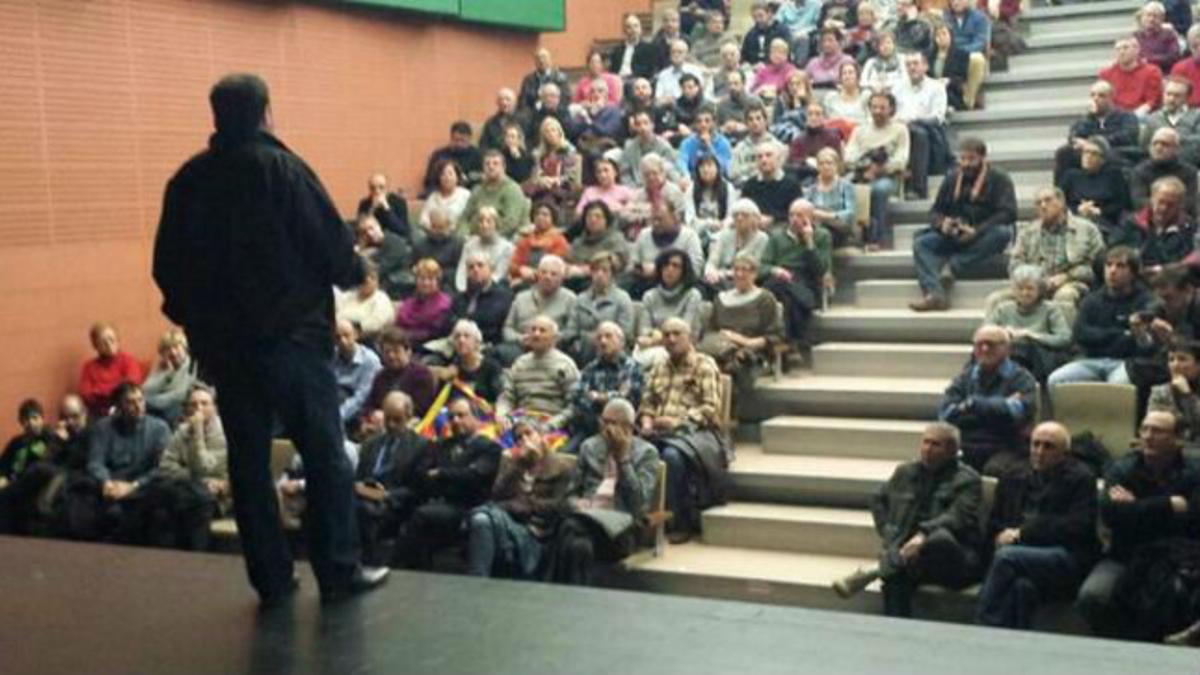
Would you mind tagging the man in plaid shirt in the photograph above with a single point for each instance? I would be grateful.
(613, 374)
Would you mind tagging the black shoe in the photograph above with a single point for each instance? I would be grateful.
(679, 537)
(281, 597)
(364, 580)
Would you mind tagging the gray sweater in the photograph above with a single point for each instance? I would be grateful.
(1050, 328)
(589, 311)
(529, 303)
(539, 383)
(658, 307)
(645, 250)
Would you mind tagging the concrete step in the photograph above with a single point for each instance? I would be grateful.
(1096, 55)
(1072, 89)
(1081, 16)
(1070, 38)
(1019, 119)
(896, 293)
(884, 439)
(889, 359)
(1053, 72)
(799, 529)
(843, 482)
(897, 325)
(851, 265)
(1053, 99)
(850, 396)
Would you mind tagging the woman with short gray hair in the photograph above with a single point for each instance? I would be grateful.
(1038, 330)
(741, 237)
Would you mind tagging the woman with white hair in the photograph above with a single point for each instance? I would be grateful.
(167, 386)
(488, 243)
(742, 237)
(469, 365)
(1037, 328)
(834, 199)
(744, 323)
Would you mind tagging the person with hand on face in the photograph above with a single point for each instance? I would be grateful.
(388, 253)
(486, 242)
(795, 266)
(973, 219)
(389, 208)
(927, 516)
(167, 386)
(705, 141)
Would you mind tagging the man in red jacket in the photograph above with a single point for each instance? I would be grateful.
(1137, 85)
(1189, 68)
(102, 375)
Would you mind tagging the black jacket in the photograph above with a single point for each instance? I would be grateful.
(249, 246)
(756, 46)
(1051, 508)
(487, 308)
(916, 499)
(645, 60)
(997, 203)
(394, 218)
(466, 470)
(468, 159)
(1118, 127)
(445, 251)
(1150, 517)
(1107, 188)
(409, 461)
(1102, 327)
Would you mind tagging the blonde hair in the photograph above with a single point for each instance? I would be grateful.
(171, 338)
(427, 267)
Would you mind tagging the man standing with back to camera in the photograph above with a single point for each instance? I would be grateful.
(249, 246)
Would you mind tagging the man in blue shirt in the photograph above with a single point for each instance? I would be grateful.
(355, 368)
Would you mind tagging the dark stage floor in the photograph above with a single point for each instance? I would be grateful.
(77, 608)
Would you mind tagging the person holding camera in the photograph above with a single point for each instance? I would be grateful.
(972, 221)
(877, 153)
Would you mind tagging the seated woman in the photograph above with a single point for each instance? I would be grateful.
(596, 72)
(543, 240)
(835, 201)
(1097, 190)
(367, 306)
(449, 195)
(771, 77)
(789, 110)
(710, 194)
(744, 323)
(883, 71)
(849, 102)
(488, 243)
(674, 296)
(824, 68)
(950, 64)
(744, 237)
(425, 315)
(557, 171)
(518, 163)
(599, 234)
(172, 377)
(1179, 396)
(469, 365)
(1039, 332)
(607, 189)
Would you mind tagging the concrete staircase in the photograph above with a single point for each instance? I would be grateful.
(834, 432)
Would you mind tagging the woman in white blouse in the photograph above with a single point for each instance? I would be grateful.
(448, 195)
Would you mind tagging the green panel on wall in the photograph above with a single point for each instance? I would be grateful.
(544, 15)
(435, 6)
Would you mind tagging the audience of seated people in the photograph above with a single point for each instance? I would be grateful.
(668, 161)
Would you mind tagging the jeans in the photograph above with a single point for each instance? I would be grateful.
(1101, 369)
(932, 249)
(679, 502)
(294, 383)
(943, 561)
(1095, 600)
(880, 231)
(1021, 577)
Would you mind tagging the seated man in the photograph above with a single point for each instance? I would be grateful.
(665, 233)
(74, 432)
(1062, 245)
(540, 380)
(1173, 314)
(602, 302)
(485, 301)
(1102, 329)
(459, 477)
(927, 516)
(733, 106)
(1043, 527)
(794, 265)
(771, 190)
(668, 84)
(100, 376)
(1105, 119)
(388, 478)
(705, 140)
(921, 104)
(546, 298)
(123, 453)
(973, 217)
(744, 164)
(1146, 498)
(1178, 114)
(1164, 162)
(656, 191)
(543, 73)
(992, 402)
(26, 467)
(1163, 230)
(492, 135)
(401, 372)
(644, 142)
(616, 475)
(460, 151)
(1137, 85)
(878, 153)
(971, 31)
(766, 29)
(635, 56)
(679, 414)
(389, 208)
(611, 374)
(441, 245)
(191, 485)
(500, 192)
(802, 152)
(388, 253)
(355, 368)
(507, 536)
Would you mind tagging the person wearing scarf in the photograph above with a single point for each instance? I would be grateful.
(972, 221)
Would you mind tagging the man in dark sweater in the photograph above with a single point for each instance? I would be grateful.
(757, 43)
(1148, 496)
(1164, 161)
(389, 208)
(972, 221)
(401, 372)
(1043, 527)
(927, 516)
(1105, 119)
(1103, 328)
(485, 301)
(772, 190)
(459, 477)
(464, 155)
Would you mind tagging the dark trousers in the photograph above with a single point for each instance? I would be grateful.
(379, 521)
(294, 383)
(1022, 577)
(578, 544)
(798, 301)
(918, 159)
(433, 526)
(680, 501)
(1095, 600)
(932, 249)
(178, 514)
(943, 561)
(19, 500)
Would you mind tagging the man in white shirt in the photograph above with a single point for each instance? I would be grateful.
(667, 87)
(921, 104)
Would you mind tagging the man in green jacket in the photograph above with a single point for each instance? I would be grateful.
(794, 263)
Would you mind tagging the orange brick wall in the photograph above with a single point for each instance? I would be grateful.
(587, 19)
(101, 100)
